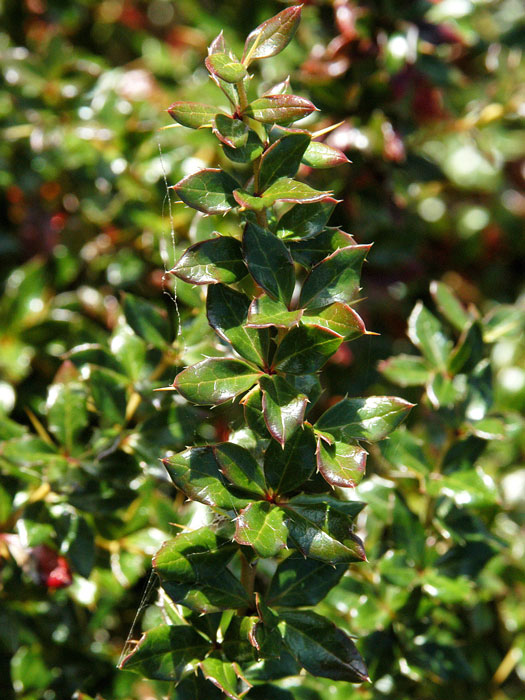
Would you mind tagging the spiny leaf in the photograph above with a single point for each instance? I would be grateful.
(193, 114)
(311, 251)
(220, 591)
(282, 159)
(287, 469)
(341, 464)
(283, 407)
(209, 191)
(272, 36)
(298, 581)
(209, 262)
(269, 262)
(261, 526)
(283, 190)
(338, 318)
(226, 67)
(321, 155)
(265, 312)
(305, 349)
(279, 109)
(240, 468)
(305, 220)
(371, 418)
(214, 381)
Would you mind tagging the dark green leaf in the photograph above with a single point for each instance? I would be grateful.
(282, 190)
(93, 354)
(405, 370)
(272, 36)
(67, 414)
(305, 220)
(215, 380)
(226, 67)
(279, 109)
(336, 278)
(109, 396)
(428, 335)
(253, 414)
(221, 591)
(298, 581)
(449, 305)
(239, 467)
(163, 652)
(408, 533)
(341, 464)
(222, 674)
(215, 260)
(321, 155)
(283, 407)
(310, 251)
(146, 321)
(196, 687)
(322, 648)
(338, 318)
(469, 350)
(265, 312)
(282, 159)
(371, 418)
(209, 191)
(269, 262)
(241, 144)
(305, 349)
(192, 114)
(261, 525)
(287, 469)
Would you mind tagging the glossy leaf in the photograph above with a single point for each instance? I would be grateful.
(240, 468)
(405, 370)
(298, 581)
(226, 67)
(67, 414)
(163, 652)
(222, 674)
(279, 109)
(109, 396)
(449, 305)
(197, 474)
(193, 114)
(341, 464)
(310, 251)
(261, 525)
(282, 159)
(305, 349)
(305, 220)
(283, 407)
(283, 190)
(253, 413)
(468, 351)
(338, 318)
(209, 262)
(240, 143)
(265, 312)
(196, 687)
(209, 191)
(334, 279)
(269, 262)
(218, 45)
(272, 36)
(321, 155)
(287, 469)
(371, 418)
(322, 648)
(220, 591)
(428, 335)
(214, 381)
(227, 311)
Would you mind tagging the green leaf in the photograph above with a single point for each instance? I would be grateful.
(279, 109)
(305, 220)
(197, 474)
(338, 318)
(336, 278)
(193, 114)
(469, 350)
(163, 652)
(283, 407)
(240, 143)
(444, 391)
(240, 468)
(403, 450)
(287, 469)
(261, 525)
(222, 674)
(321, 528)
(193, 556)
(129, 350)
(209, 191)
(221, 591)
(253, 415)
(428, 335)
(282, 159)
(321, 155)
(298, 581)
(449, 305)
(305, 349)
(218, 45)
(196, 687)
(67, 414)
(310, 251)
(269, 262)
(341, 464)
(215, 381)
(226, 67)
(408, 533)
(227, 311)
(272, 36)
(146, 321)
(209, 262)
(265, 312)
(371, 418)
(405, 370)
(473, 488)
(109, 396)
(282, 190)
(322, 648)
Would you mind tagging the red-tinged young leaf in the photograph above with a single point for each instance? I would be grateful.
(371, 418)
(265, 312)
(311, 251)
(338, 318)
(218, 45)
(197, 474)
(279, 89)
(261, 526)
(227, 311)
(336, 278)
(163, 652)
(305, 349)
(322, 648)
(226, 67)
(287, 469)
(269, 262)
(298, 581)
(193, 114)
(283, 407)
(222, 674)
(272, 36)
(240, 468)
(279, 109)
(209, 191)
(341, 464)
(282, 159)
(215, 381)
(305, 220)
(209, 262)
(406, 370)
(283, 190)
(428, 335)
(321, 155)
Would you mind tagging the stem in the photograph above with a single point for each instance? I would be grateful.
(247, 575)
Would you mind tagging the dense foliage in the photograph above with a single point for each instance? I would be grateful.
(431, 99)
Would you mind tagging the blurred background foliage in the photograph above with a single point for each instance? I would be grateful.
(431, 96)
